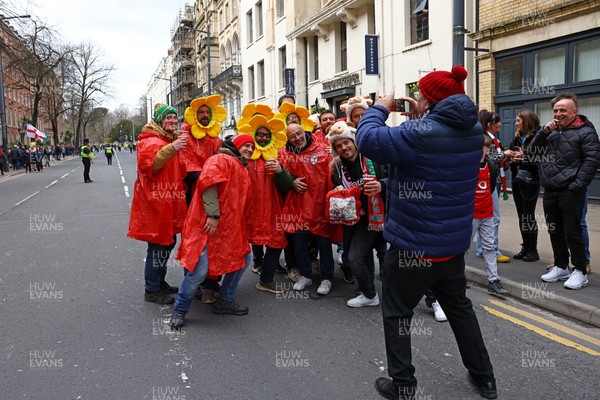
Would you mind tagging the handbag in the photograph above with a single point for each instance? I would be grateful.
(526, 176)
(343, 206)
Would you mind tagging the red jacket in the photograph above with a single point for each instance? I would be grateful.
(228, 247)
(307, 210)
(158, 207)
(264, 212)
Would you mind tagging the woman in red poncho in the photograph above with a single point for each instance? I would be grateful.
(214, 238)
(158, 207)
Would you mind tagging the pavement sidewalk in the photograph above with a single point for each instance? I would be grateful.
(522, 279)
(12, 173)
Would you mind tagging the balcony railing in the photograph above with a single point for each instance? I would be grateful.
(233, 72)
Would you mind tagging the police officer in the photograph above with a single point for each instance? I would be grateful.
(87, 155)
(108, 152)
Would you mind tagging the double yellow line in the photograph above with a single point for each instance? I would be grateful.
(544, 332)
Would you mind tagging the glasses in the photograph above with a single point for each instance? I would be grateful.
(265, 135)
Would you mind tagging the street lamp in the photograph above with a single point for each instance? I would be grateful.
(170, 96)
(2, 105)
(207, 32)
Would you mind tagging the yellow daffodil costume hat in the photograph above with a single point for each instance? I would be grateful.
(218, 114)
(288, 108)
(278, 136)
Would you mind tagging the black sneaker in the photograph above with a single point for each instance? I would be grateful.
(222, 307)
(257, 268)
(496, 287)
(520, 254)
(531, 256)
(347, 274)
(177, 319)
(168, 289)
(158, 298)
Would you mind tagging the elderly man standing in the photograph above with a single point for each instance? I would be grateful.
(434, 164)
(569, 154)
(158, 207)
(304, 208)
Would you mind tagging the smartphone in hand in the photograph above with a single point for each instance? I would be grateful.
(398, 105)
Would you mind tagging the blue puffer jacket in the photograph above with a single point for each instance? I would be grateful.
(434, 163)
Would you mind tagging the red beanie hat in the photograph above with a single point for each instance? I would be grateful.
(242, 139)
(438, 85)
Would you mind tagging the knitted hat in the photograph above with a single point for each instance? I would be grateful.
(242, 139)
(356, 102)
(438, 85)
(161, 111)
(340, 130)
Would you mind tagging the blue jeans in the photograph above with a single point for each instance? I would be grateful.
(191, 281)
(496, 201)
(584, 230)
(231, 281)
(303, 259)
(155, 268)
(484, 227)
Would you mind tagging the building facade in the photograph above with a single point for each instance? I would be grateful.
(535, 51)
(160, 86)
(183, 79)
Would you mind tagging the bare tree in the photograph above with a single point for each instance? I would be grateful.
(90, 79)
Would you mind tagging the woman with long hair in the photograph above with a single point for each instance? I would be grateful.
(525, 183)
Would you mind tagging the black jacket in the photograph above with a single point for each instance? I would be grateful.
(567, 158)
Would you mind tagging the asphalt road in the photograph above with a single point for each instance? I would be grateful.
(75, 325)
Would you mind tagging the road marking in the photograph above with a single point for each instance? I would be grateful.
(64, 175)
(75, 169)
(46, 187)
(27, 198)
(541, 332)
(126, 191)
(123, 179)
(120, 171)
(551, 324)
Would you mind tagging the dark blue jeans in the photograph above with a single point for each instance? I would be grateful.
(302, 253)
(155, 269)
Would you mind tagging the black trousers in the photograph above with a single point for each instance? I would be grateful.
(109, 159)
(403, 288)
(358, 243)
(86, 168)
(563, 210)
(526, 196)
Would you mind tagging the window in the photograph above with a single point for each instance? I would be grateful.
(419, 21)
(586, 60)
(315, 49)
(261, 78)
(549, 67)
(282, 65)
(251, 93)
(510, 74)
(259, 18)
(280, 8)
(343, 47)
(249, 27)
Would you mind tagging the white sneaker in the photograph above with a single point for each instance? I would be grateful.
(324, 287)
(361, 301)
(339, 258)
(302, 283)
(556, 274)
(577, 280)
(438, 313)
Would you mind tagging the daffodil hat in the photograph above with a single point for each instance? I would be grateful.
(217, 113)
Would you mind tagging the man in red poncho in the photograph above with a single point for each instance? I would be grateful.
(158, 207)
(214, 239)
(304, 209)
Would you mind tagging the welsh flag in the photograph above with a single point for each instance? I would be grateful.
(34, 133)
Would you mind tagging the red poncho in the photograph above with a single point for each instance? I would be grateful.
(307, 210)
(228, 247)
(197, 151)
(158, 208)
(264, 212)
